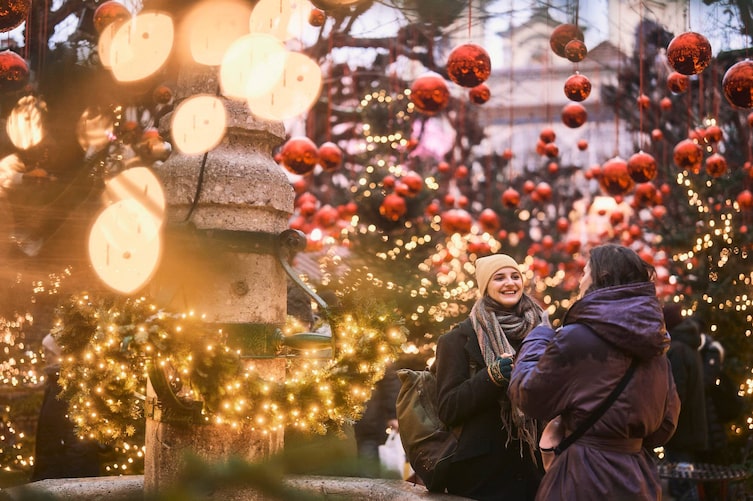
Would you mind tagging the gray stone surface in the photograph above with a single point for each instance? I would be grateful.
(130, 488)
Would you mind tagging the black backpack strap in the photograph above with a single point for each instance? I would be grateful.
(599, 411)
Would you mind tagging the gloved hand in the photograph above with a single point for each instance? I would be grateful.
(500, 370)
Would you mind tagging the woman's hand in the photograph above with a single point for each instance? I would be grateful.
(500, 370)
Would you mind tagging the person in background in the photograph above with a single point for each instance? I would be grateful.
(59, 452)
(377, 420)
(496, 456)
(570, 372)
(691, 436)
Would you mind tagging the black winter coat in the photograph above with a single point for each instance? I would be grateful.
(59, 452)
(687, 369)
(484, 465)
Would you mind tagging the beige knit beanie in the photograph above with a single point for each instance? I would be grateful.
(488, 265)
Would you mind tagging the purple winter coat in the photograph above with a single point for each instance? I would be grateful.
(571, 371)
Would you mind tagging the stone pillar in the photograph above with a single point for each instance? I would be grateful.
(218, 261)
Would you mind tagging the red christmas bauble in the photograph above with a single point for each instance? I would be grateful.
(643, 101)
(480, 94)
(665, 104)
(714, 134)
(317, 17)
(750, 119)
(528, 186)
(300, 155)
(511, 198)
(737, 84)
(488, 220)
(551, 150)
(469, 65)
(456, 221)
(563, 224)
(14, 72)
(689, 53)
(677, 82)
(562, 35)
(393, 207)
(547, 135)
(326, 217)
(330, 156)
(745, 199)
(13, 13)
(507, 154)
(544, 191)
(576, 50)
(582, 144)
(645, 194)
(574, 115)
(577, 87)
(642, 167)
(615, 178)
(716, 165)
(657, 135)
(461, 172)
(688, 155)
(162, 94)
(429, 93)
(110, 12)
(413, 181)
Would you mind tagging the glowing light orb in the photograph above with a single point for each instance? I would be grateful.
(212, 26)
(124, 246)
(252, 65)
(282, 20)
(24, 124)
(198, 124)
(296, 91)
(94, 130)
(140, 46)
(141, 185)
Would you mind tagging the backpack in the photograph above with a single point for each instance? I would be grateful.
(429, 444)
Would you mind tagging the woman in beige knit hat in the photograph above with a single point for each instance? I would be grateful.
(497, 456)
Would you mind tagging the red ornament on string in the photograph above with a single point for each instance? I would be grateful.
(642, 167)
(750, 119)
(582, 144)
(615, 178)
(429, 93)
(551, 150)
(688, 155)
(574, 115)
(162, 94)
(300, 155)
(745, 199)
(13, 13)
(480, 94)
(413, 181)
(643, 101)
(330, 156)
(317, 17)
(393, 207)
(714, 134)
(547, 135)
(689, 53)
(665, 104)
(575, 50)
(657, 135)
(737, 84)
(14, 72)
(543, 191)
(469, 65)
(645, 195)
(488, 220)
(716, 165)
(562, 35)
(511, 198)
(677, 82)
(577, 87)
(456, 221)
(110, 12)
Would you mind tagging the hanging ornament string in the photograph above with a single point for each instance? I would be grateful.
(618, 91)
(510, 112)
(641, 52)
(470, 16)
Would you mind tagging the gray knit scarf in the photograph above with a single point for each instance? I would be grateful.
(495, 327)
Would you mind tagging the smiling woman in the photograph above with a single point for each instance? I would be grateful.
(496, 450)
